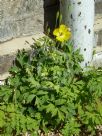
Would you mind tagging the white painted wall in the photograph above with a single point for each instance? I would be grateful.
(79, 15)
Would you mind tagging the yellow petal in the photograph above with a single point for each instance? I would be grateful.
(62, 33)
(56, 32)
(61, 39)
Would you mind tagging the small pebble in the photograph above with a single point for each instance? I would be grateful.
(1, 82)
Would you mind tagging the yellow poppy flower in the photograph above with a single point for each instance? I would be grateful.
(62, 33)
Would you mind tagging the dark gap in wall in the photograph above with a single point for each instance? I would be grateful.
(51, 7)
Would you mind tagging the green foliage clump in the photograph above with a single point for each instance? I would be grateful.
(49, 92)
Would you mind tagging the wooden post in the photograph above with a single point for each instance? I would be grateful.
(79, 16)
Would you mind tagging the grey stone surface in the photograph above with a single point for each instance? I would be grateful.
(97, 60)
(6, 63)
(98, 22)
(20, 17)
(98, 7)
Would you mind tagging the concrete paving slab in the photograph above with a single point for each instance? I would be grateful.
(12, 46)
(97, 60)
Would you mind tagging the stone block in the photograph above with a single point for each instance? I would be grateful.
(98, 7)
(97, 60)
(20, 18)
(6, 63)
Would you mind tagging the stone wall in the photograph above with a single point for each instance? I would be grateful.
(27, 17)
(20, 17)
(98, 11)
(98, 7)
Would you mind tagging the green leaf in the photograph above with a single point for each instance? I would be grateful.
(41, 92)
(60, 102)
(2, 117)
(61, 115)
(30, 98)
